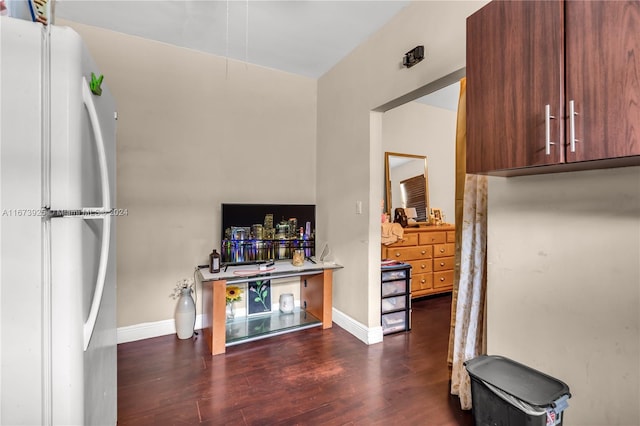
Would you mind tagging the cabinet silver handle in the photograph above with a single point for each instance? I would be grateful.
(547, 129)
(572, 126)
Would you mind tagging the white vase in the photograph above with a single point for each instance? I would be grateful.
(185, 315)
(286, 303)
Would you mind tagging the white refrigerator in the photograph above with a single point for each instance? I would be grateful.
(57, 231)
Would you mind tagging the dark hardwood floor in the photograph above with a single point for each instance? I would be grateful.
(310, 377)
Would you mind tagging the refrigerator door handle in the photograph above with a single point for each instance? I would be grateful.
(89, 325)
(87, 97)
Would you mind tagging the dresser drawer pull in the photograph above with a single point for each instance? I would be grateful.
(397, 254)
(441, 263)
(423, 252)
(441, 279)
(422, 266)
(442, 250)
(422, 281)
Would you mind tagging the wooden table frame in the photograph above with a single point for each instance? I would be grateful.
(316, 289)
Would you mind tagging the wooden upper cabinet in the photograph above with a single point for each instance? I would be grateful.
(522, 74)
(603, 78)
(515, 61)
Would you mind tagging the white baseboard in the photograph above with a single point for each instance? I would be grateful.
(368, 335)
(149, 330)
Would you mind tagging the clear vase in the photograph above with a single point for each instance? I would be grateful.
(231, 313)
(185, 315)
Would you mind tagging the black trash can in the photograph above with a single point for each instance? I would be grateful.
(507, 393)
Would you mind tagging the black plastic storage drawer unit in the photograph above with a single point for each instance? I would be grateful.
(395, 305)
(507, 393)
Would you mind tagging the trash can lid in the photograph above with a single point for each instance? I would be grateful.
(520, 381)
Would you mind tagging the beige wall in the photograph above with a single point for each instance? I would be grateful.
(564, 285)
(416, 128)
(564, 274)
(369, 77)
(563, 248)
(191, 136)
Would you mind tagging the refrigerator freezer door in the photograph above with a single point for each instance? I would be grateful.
(76, 180)
(87, 373)
(21, 372)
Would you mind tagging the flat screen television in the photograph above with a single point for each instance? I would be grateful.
(253, 233)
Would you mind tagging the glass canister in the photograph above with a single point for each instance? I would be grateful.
(298, 257)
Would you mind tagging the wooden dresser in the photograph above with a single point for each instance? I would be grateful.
(431, 252)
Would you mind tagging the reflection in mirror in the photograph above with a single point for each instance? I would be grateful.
(407, 183)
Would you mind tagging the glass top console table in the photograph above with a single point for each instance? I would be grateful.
(316, 281)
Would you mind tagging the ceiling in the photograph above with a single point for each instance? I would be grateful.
(304, 37)
(446, 98)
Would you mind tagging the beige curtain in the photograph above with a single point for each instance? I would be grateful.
(461, 168)
(466, 339)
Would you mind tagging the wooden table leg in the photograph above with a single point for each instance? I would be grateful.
(214, 316)
(317, 291)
